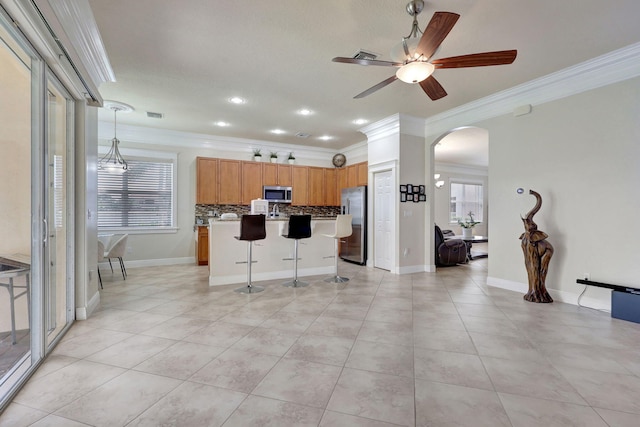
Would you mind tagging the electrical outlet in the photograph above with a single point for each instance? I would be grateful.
(405, 252)
(129, 250)
(586, 276)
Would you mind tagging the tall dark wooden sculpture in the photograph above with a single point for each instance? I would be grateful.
(537, 254)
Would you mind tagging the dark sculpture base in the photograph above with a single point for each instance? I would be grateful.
(540, 297)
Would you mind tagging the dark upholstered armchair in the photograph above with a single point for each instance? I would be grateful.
(449, 252)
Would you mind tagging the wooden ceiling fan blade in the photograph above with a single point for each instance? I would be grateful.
(433, 88)
(366, 62)
(483, 59)
(376, 87)
(437, 29)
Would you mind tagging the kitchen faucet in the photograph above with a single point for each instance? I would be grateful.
(275, 211)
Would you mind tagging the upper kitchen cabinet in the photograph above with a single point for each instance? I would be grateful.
(363, 173)
(316, 187)
(284, 176)
(352, 175)
(270, 174)
(206, 180)
(331, 193)
(251, 181)
(357, 174)
(300, 184)
(342, 179)
(230, 191)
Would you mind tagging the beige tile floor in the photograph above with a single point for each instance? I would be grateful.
(439, 349)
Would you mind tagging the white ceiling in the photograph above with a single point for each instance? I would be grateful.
(185, 58)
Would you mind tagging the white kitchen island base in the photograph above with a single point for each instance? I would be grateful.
(228, 256)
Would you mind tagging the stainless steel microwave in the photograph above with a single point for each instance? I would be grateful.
(276, 194)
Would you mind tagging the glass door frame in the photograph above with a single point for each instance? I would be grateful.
(40, 76)
(69, 205)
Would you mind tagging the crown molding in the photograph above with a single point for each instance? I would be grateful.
(613, 67)
(79, 24)
(173, 138)
(384, 128)
(393, 125)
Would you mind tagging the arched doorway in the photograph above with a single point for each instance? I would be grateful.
(461, 185)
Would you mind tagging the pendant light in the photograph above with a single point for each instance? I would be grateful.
(113, 160)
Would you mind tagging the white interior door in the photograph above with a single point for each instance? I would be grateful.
(383, 233)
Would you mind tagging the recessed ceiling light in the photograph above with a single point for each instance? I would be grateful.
(237, 100)
(305, 112)
(360, 121)
(325, 137)
(278, 131)
(222, 124)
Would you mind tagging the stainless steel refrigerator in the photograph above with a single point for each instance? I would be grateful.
(354, 247)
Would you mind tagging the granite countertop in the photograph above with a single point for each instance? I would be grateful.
(313, 218)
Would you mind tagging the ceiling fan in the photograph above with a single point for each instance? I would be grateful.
(413, 55)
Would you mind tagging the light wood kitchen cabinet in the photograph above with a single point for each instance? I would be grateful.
(224, 181)
(300, 184)
(230, 191)
(284, 176)
(352, 175)
(331, 194)
(269, 174)
(342, 179)
(363, 173)
(206, 180)
(251, 181)
(316, 186)
(202, 246)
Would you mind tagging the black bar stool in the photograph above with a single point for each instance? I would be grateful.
(343, 229)
(252, 228)
(299, 228)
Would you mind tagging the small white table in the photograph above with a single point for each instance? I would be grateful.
(11, 268)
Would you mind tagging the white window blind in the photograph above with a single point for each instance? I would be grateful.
(466, 198)
(141, 197)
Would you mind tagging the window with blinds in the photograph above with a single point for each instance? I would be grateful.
(140, 198)
(466, 198)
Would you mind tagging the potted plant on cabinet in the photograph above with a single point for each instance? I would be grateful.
(257, 157)
(291, 159)
(274, 156)
(467, 226)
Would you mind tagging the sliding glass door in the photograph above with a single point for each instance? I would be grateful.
(36, 209)
(16, 261)
(58, 244)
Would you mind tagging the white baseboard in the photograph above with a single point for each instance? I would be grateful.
(509, 285)
(270, 275)
(153, 262)
(83, 313)
(560, 296)
(410, 269)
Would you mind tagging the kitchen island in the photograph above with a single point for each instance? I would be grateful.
(228, 256)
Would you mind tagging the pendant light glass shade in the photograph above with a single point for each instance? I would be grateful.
(113, 160)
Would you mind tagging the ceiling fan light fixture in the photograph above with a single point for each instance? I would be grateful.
(415, 72)
(398, 53)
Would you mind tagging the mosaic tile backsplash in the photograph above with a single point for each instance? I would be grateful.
(204, 212)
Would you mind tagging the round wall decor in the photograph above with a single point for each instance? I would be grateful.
(339, 160)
